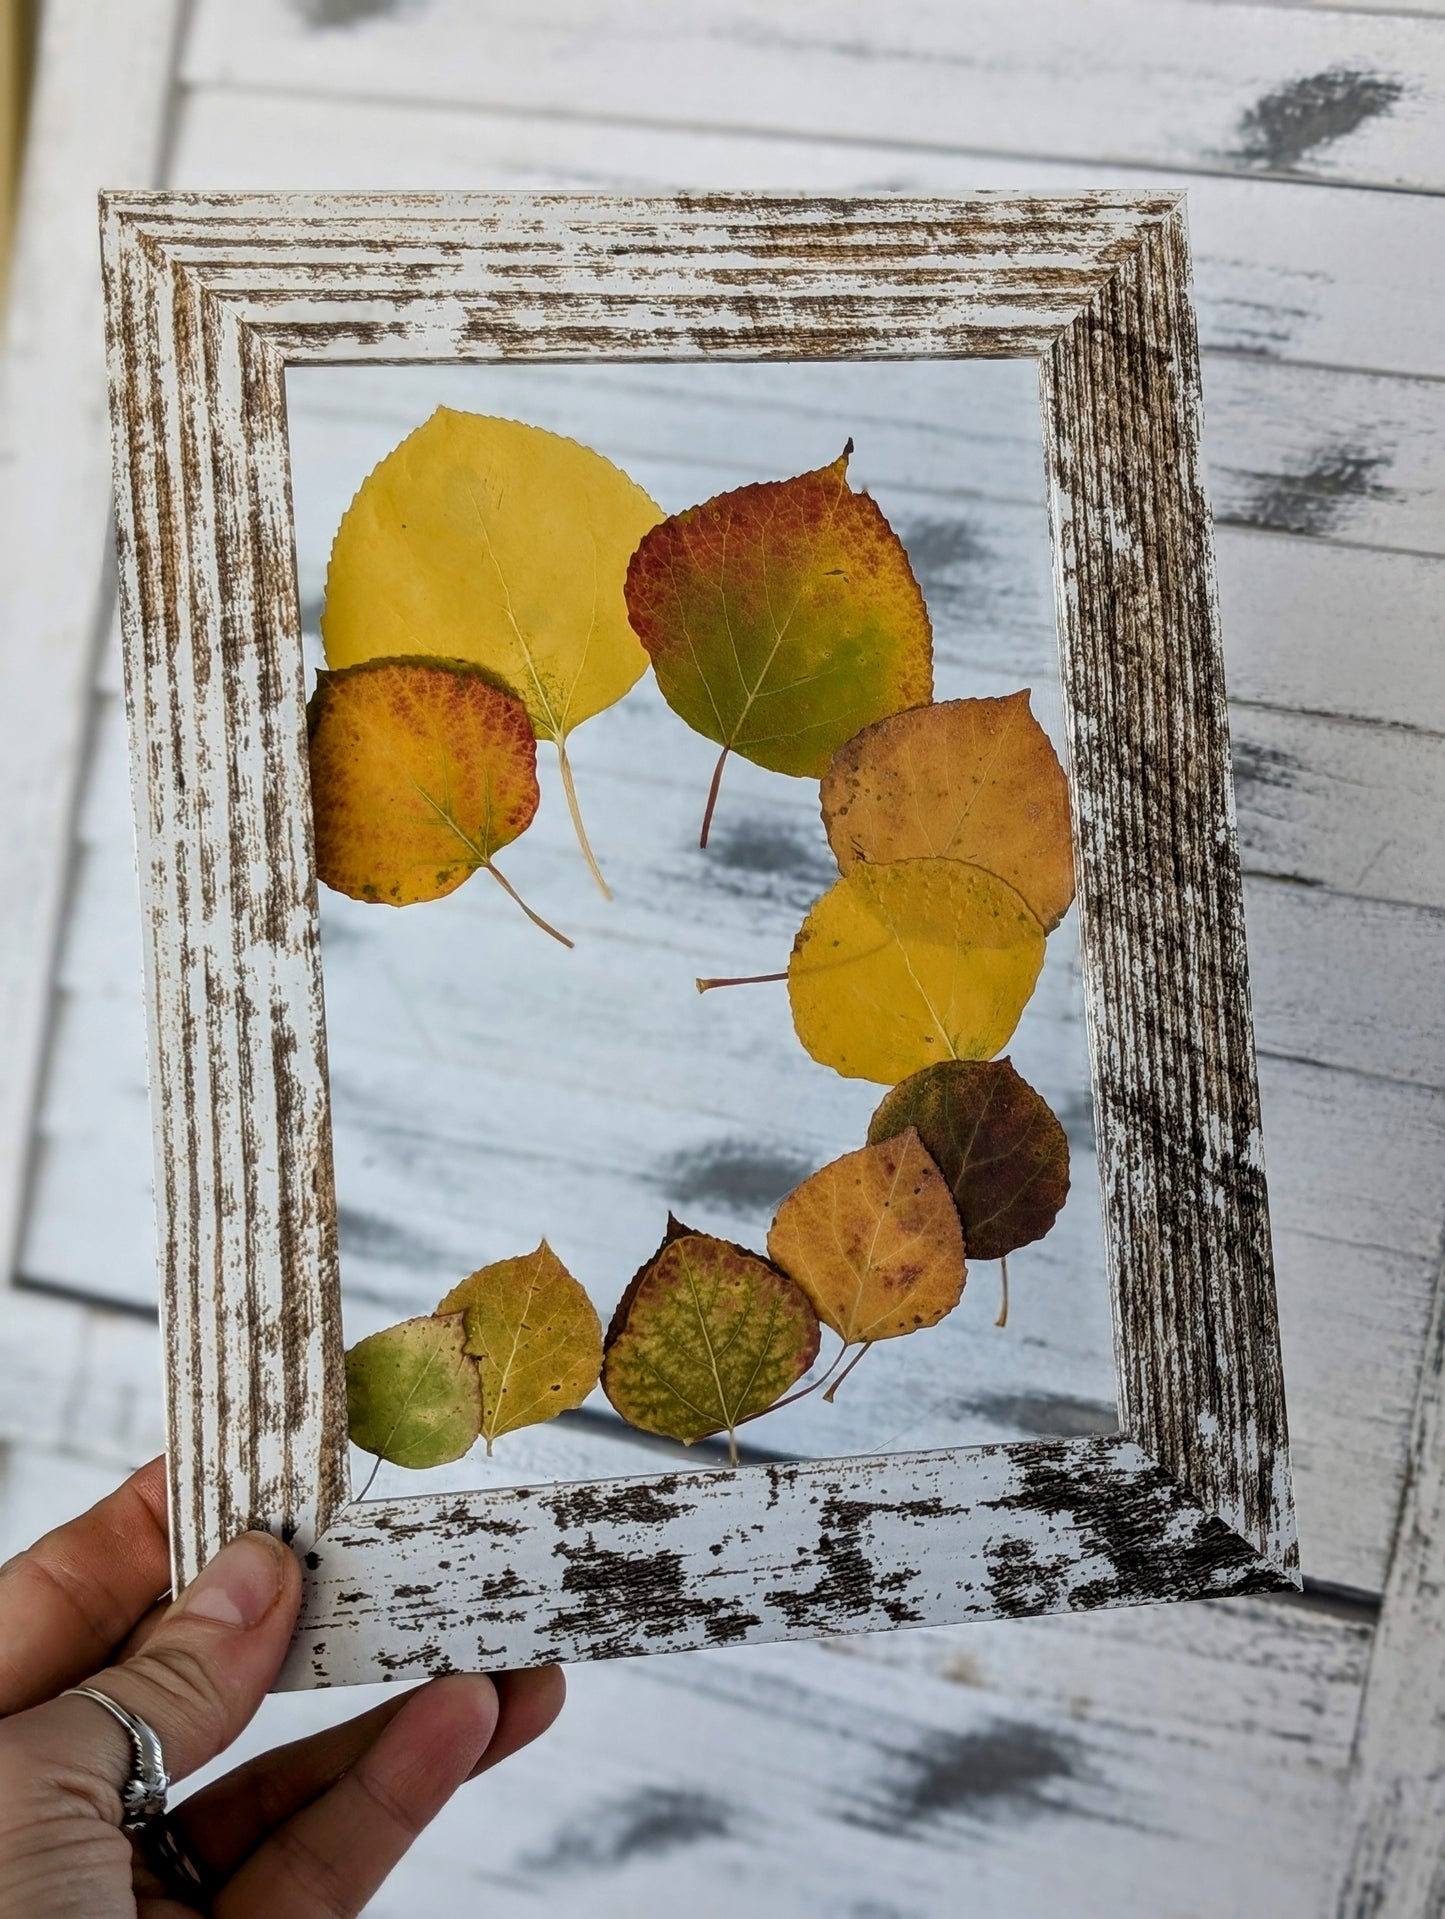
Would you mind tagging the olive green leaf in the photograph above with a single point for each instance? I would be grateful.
(412, 1394)
(996, 1142)
(706, 1336)
(535, 1336)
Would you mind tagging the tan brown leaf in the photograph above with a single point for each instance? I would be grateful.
(974, 780)
(874, 1241)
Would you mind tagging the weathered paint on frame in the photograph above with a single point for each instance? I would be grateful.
(209, 298)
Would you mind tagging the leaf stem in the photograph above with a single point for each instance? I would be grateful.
(832, 1390)
(370, 1479)
(512, 893)
(712, 796)
(732, 1447)
(1002, 1319)
(802, 1392)
(748, 979)
(577, 827)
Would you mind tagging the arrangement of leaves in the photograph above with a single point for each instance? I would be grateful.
(493, 584)
(503, 545)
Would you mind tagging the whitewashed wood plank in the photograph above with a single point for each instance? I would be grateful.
(1332, 630)
(1395, 1835)
(1182, 1765)
(1162, 83)
(82, 1380)
(97, 116)
(1339, 804)
(1342, 981)
(1333, 276)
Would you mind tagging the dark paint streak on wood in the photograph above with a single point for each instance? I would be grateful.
(649, 1823)
(1318, 501)
(1290, 124)
(1003, 1770)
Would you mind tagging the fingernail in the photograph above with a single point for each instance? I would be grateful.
(241, 1584)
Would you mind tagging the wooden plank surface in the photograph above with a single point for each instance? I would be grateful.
(1219, 1750)
(1164, 83)
(1181, 1762)
(1295, 272)
(98, 114)
(1395, 1835)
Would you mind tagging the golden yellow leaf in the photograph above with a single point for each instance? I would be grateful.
(874, 1241)
(421, 770)
(535, 1336)
(974, 780)
(500, 543)
(901, 965)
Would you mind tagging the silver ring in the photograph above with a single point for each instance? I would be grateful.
(143, 1796)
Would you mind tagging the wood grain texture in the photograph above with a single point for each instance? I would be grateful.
(210, 297)
(1395, 1856)
(93, 119)
(1228, 88)
(621, 1566)
(1294, 273)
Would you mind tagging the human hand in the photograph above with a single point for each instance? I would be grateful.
(308, 1831)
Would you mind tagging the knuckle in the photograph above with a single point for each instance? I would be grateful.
(182, 1680)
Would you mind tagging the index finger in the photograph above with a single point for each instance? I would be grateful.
(67, 1602)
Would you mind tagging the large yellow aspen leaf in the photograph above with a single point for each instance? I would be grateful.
(411, 1393)
(488, 540)
(874, 1241)
(535, 1336)
(421, 770)
(974, 780)
(781, 618)
(706, 1336)
(902, 965)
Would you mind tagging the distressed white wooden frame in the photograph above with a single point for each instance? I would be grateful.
(209, 299)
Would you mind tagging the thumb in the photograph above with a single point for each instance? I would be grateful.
(196, 1682)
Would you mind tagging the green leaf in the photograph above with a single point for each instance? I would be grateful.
(781, 618)
(535, 1336)
(412, 1394)
(706, 1336)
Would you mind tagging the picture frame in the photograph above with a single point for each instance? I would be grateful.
(209, 299)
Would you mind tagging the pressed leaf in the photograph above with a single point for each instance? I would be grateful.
(874, 1241)
(492, 541)
(535, 1336)
(781, 618)
(412, 1394)
(420, 771)
(901, 965)
(706, 1336)
(974, 780)
(996, 1142)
